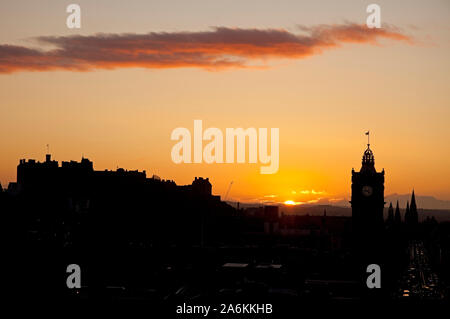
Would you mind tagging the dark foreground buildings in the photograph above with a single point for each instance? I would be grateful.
(152, 241)
(391, 243)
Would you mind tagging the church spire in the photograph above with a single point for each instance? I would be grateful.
(413, 201)
(413, 210)
(390, 218)
(407, 214)
(398, 217)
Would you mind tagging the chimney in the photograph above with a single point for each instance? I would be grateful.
(48, 158)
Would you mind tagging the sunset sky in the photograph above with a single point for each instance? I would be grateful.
(310, 68)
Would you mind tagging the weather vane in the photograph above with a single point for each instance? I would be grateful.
(368, 138)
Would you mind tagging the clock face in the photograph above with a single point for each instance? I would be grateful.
(367, 191)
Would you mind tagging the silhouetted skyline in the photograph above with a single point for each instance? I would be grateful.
(116, 163)
(322, 103)
(126, 230)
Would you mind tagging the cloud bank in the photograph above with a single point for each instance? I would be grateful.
(217, 49)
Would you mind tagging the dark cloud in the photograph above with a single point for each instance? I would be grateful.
(219, 48)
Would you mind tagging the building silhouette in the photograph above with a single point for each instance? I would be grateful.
(390, 218)
(413, 214)
(398, 216)
(411, 218)
(367, 199)
(407, 214)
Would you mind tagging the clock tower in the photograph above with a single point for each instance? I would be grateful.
(367, 197)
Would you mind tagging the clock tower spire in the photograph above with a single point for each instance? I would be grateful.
(367, 196)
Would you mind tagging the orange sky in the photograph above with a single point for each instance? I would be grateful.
(321, 97)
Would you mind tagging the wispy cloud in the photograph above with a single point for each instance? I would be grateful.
(217, 49)
(313, 192)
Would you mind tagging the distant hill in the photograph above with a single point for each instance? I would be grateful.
(426, 202)
(332, 210)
